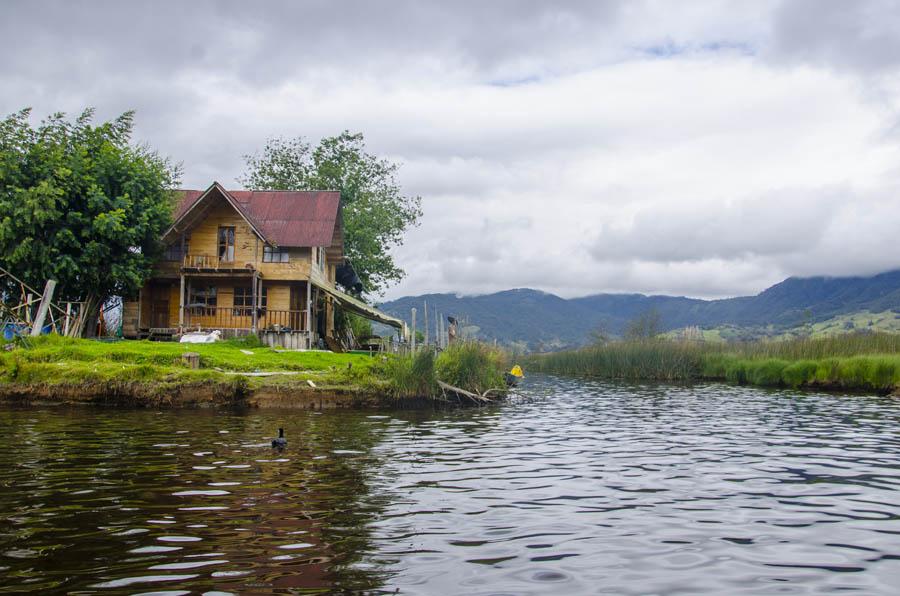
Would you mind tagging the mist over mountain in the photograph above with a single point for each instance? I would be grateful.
(536, 320)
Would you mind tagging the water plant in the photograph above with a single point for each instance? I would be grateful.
(861, 361)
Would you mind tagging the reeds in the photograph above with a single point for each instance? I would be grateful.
(410, 375)
(470, 365)
(638, 359)
(860, 361)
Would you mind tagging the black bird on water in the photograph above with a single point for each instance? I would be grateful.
(280, 442)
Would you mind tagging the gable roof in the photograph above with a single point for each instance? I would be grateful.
(282, 218)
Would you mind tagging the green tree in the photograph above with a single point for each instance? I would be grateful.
(376, 213)
(647, 325)
(81, 204)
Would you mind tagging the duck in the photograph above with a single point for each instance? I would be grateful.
(280, 442)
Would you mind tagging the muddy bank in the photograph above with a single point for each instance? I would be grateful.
(231, 394)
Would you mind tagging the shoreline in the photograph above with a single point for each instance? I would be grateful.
(241, 373)
(204, 394)
(857, 363)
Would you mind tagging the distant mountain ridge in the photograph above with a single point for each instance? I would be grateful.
(535, 320)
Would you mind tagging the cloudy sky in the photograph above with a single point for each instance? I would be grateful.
(694, 148)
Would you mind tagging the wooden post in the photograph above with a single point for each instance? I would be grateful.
(254, 296)
(43, 307)
(309, 311)
(425, 342)
(181, 299)
(412, 336)
(191, 359)
(28, 300)
(259, 295)
(69, 317)
(187, 299)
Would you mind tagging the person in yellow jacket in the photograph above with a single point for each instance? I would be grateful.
(514, 375)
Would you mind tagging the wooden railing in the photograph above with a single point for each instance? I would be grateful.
(220, 317)
(206, 262)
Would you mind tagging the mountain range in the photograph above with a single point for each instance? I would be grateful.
(535, 320)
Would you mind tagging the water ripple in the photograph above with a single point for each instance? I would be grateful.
(581, 487)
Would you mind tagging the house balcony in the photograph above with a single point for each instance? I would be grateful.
(198, 263)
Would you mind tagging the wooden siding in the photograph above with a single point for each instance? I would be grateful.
(296, 269)
(277, 278)
(204, 237)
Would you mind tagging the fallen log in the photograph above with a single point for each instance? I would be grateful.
(462, 392)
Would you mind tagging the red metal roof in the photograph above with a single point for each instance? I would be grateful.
(284, 218)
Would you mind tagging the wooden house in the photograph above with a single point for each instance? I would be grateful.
(251, 261)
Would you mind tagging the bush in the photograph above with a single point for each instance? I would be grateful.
(251, 340)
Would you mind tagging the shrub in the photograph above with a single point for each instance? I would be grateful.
(251, 340)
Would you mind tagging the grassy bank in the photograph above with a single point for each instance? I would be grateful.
(472, 366)
(55, 359)
(853, 362)
(239, 368)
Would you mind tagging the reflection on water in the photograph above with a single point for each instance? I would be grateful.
(580, 488)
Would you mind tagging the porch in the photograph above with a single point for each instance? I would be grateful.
(289, 314)
(238, 303)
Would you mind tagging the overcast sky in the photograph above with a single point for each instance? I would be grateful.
(694, 148)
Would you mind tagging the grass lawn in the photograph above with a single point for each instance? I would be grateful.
(54, 359)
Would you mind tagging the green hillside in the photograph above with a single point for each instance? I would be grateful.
(537, 321)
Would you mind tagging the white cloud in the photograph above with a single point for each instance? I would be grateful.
(707, 149)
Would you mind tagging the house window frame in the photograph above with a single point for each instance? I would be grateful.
(176, 252)
(203, 301)
(275, 254)
(245, 307)
(226, 242)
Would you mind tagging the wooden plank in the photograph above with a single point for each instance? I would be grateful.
(43, 307)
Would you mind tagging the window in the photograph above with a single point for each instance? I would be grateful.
(320, 258)
(243, 301)
(274, 254)
(174, 252)
(202, 301)
(226, 244)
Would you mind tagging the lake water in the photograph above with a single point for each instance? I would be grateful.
(578, 487)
